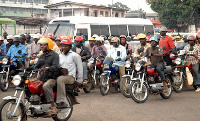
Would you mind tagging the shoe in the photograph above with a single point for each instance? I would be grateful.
(53, 111)
(197, 90)
(62, 105)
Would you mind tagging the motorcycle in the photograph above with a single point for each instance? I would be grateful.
(149, 81)
(31, 101)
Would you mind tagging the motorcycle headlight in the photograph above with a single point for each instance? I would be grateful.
(177, 61)
(5, 61)
(128, 64)
(137, 66)
(17, 80)
(106, 66)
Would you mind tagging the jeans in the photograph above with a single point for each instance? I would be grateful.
(85, 71)
(160, 71)
(167, 60)
(196, 76)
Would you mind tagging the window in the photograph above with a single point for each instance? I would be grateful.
(106, 14)
(116, 15)
(29, 1)
(37, 1)
(22, 1)
(100, 30)
(122, 14)
(13, 0)
(133, 29)
(60, 14)
(95, 13)
(83, 33)
(44, 1)
(149, 28)
(117, 30)
(101, 13)
(62, 29)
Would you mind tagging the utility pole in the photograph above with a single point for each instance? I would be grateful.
(112, 9)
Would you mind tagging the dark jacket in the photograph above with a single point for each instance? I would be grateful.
(84, 52)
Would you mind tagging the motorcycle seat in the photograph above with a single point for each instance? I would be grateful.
(168, 69)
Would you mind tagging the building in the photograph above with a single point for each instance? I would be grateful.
(68, 8)
(30, 15)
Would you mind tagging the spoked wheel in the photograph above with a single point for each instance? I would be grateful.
(65, 114)
(4, 83)
(124, 86)
(137, 95)
(178, 83)
(104, 85)
(7, 108)
(169, 93)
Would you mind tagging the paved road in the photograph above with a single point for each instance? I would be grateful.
(182, 106)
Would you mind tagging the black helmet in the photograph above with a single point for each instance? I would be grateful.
(28, 36)
(22, 36)
(16, 39)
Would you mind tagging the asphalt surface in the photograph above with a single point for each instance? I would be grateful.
(184, 106)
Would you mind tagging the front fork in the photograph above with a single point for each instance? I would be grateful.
(142, 81)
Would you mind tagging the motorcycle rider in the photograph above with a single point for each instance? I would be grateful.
(5, 34)
(58, 40)
(85, 55)
(35, 46)
(193, 48)
(49, 68)
(91, 43)
(99, 49)
(75, 71)
(10, 42)
(2, 48)
(167, 43)
(156, 58)
(126, 45)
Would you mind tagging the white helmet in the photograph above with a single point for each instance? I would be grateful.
(10, 37)
(95, 35)
(99, 39)
(37, 36)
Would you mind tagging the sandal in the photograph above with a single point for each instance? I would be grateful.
(197, 90)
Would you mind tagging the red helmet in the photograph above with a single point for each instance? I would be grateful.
(50, 35)
(191, 37)
(59, 38)
(148, 38)
(66, 41)
(122, 36)
(44, 36)
(78, 38)
(198, 35)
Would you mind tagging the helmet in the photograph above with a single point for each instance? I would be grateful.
(44, 35)
(28, 36)
(1, 38)
(115, 39)
(110, 37)
(198, 35)
(69, 36)
(36, 36)
(98, 39)
(92, 39)
(154, 39)
(66, 41)
(10, 37)
(191, 37)
(46, 41)
(78, 38)
(22, 36)
(163, 29)
(148, 38)
(50, 35)
(122, 36)
(142, 36)
(59, 38)
(95, 35)
(177, 37)
(16, 39)
(172, 56)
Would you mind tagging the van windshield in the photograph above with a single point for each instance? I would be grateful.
(61, 29)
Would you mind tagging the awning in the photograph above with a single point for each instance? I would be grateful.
(7, 21)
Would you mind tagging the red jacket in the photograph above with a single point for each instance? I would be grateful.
(168, 43)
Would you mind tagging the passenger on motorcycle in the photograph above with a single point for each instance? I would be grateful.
(113, 53)
(99, 49)
(48, 70)
(58, 40)
(10, 42)
(156, 58)
(91, 43)
(140, 49)
(35, 46)
(75, 71)
(167, 42)
(17, 51)
(2, 48)
(193, 49)
(85, 55)
(126, 45)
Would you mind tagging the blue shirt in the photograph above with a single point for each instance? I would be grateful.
(13, 51)
(182, 47)
(113, 54)
(3, 50)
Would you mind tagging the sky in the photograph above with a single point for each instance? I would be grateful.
(133, 4)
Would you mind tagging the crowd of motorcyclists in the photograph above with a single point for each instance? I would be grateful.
(66, 62)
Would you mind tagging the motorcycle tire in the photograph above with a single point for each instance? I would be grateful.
(3, 84)
(124, 86)
(21, 111)
(177, 87)
(69, 112)
(133, 91)
(168, 95)
(104, 85)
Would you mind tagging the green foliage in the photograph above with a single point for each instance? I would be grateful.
(173, 12)
(119, 5)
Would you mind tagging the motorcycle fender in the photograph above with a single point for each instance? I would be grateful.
(124, 76)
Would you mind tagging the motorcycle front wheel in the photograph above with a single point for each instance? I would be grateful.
(169, 93)
(136, 95)
(88, 87)
(4, 84)
(6, 110)
(65, 114)
(178, 83)
(104, 85)
(124, 86)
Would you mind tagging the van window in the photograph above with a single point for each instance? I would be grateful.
(149, 29)
(117, 30)
(100, 30)
(82, 32)
(133, 29)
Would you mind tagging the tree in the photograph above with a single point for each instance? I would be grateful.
(177, 12)
(119, 5)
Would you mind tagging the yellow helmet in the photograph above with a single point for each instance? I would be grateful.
(46, 41)
(91, 38)
(115, 39)
(142, 36)
(178, 37)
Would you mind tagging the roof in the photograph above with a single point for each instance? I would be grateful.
(104, 20)
(82, 4)
(7, 21)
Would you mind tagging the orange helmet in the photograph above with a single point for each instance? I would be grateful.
(78, 38)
